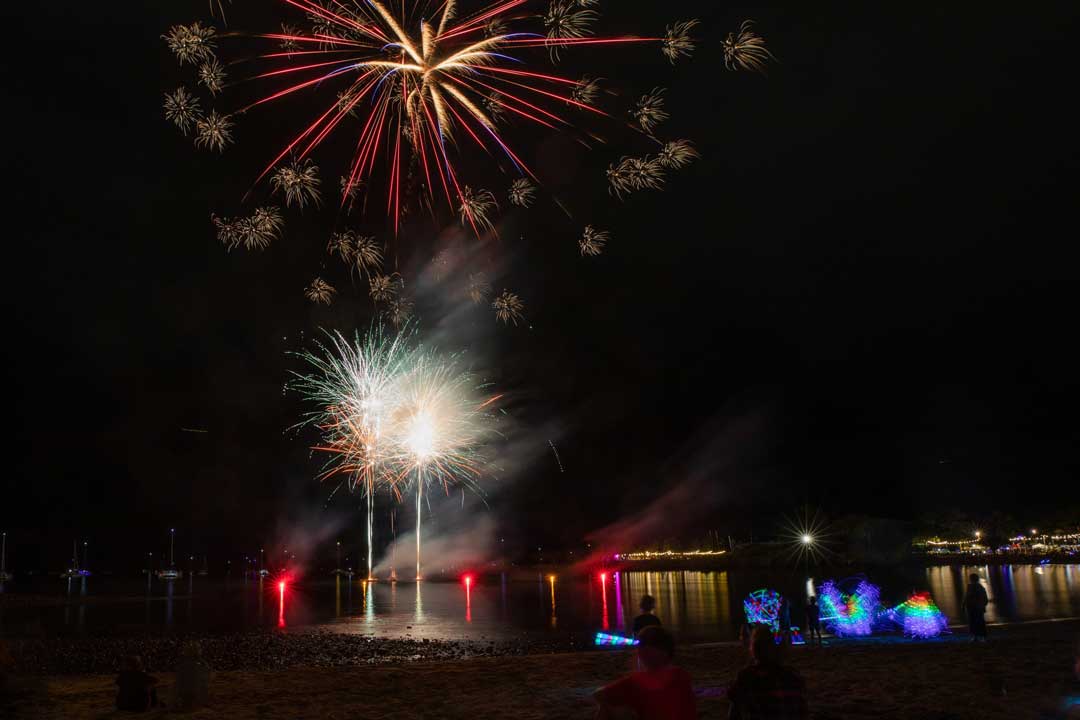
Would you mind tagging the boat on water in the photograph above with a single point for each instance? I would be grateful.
(5, 576)
(170, 573)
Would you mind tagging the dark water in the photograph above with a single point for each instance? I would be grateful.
(698, 605)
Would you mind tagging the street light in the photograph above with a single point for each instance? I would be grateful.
(807, 541)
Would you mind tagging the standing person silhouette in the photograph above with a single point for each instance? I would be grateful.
(975, 602)
(647, 617)
(813, 620)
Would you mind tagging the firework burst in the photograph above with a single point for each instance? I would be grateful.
(477, 208)
(586, 91)
(509, 308)
(400, 311)
(191, 43)
(678, 42)
(745, 50)
(649, 110)
(320, 291)
(182, 108)
(383, 288)
(522, 193)
(299, 182)
(212, 75)
(253, 233)
(677, 154)
(478, 288)
(213, 131)
(592, 241)
(565, 20)
(630, 174)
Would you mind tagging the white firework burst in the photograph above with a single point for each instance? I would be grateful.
(366, 254)
(522, 193)
(678, 154)
(320, 291)
(212, 75)
(476, 208)
(495, 28)
(213, 131)
(299, 181)
(509, 308)
(267, 223)
(678, 41)
(592, 241)
(191, 43)
(478, 288)
(289, 33)
(649, 111)
(745, 50)
(182, 108)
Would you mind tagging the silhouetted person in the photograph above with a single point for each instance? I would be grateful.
(766, 690)
(192, 678)
(658, 690)
(813, 620)
(646, 618)
(783, 620)
(137, 691)
(975, 602)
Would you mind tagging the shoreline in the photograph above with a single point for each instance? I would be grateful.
(1021, 670)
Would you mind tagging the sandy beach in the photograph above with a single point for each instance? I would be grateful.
(1022, 669)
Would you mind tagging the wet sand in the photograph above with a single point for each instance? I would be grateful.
(1021, 670)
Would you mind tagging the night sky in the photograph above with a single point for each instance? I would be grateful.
(864, 296)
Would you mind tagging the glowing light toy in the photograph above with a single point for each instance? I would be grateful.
(920, 617)
(849, 615)
(762, 607)
(603, 638)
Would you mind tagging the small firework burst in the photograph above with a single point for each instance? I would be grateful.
(400, 310)
(341, 245)
(212, 75)
(228, 231)
(649, 111)
(382, 288)
(522, 193)
(592, 241)
(494, 108)
(495, 28)
(182, 108)
(320, 291)
(478, 288)
(588, 3)
(587, 91)
(346, 103)
(213, 131)
(565, 20)
(299, 181)
(268, 222)
(508, 308)
(254, 233)
(366, 254)
(745, 50)
(678, 42)
(630, 174)
(476, 208)
(678, 154)
(191, 43)
(288, 41)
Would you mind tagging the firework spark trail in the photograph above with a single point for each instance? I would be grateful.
(745, 50)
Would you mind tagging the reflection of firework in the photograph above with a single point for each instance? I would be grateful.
(509, 308)
(745, 50)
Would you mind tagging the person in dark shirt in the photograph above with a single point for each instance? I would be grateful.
(975, 602)
(646, 618)
(137, 691)
(783, 620)
(766, 690)
(658, 690)
(813, 624)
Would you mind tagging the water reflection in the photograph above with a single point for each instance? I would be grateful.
(1016, 592)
